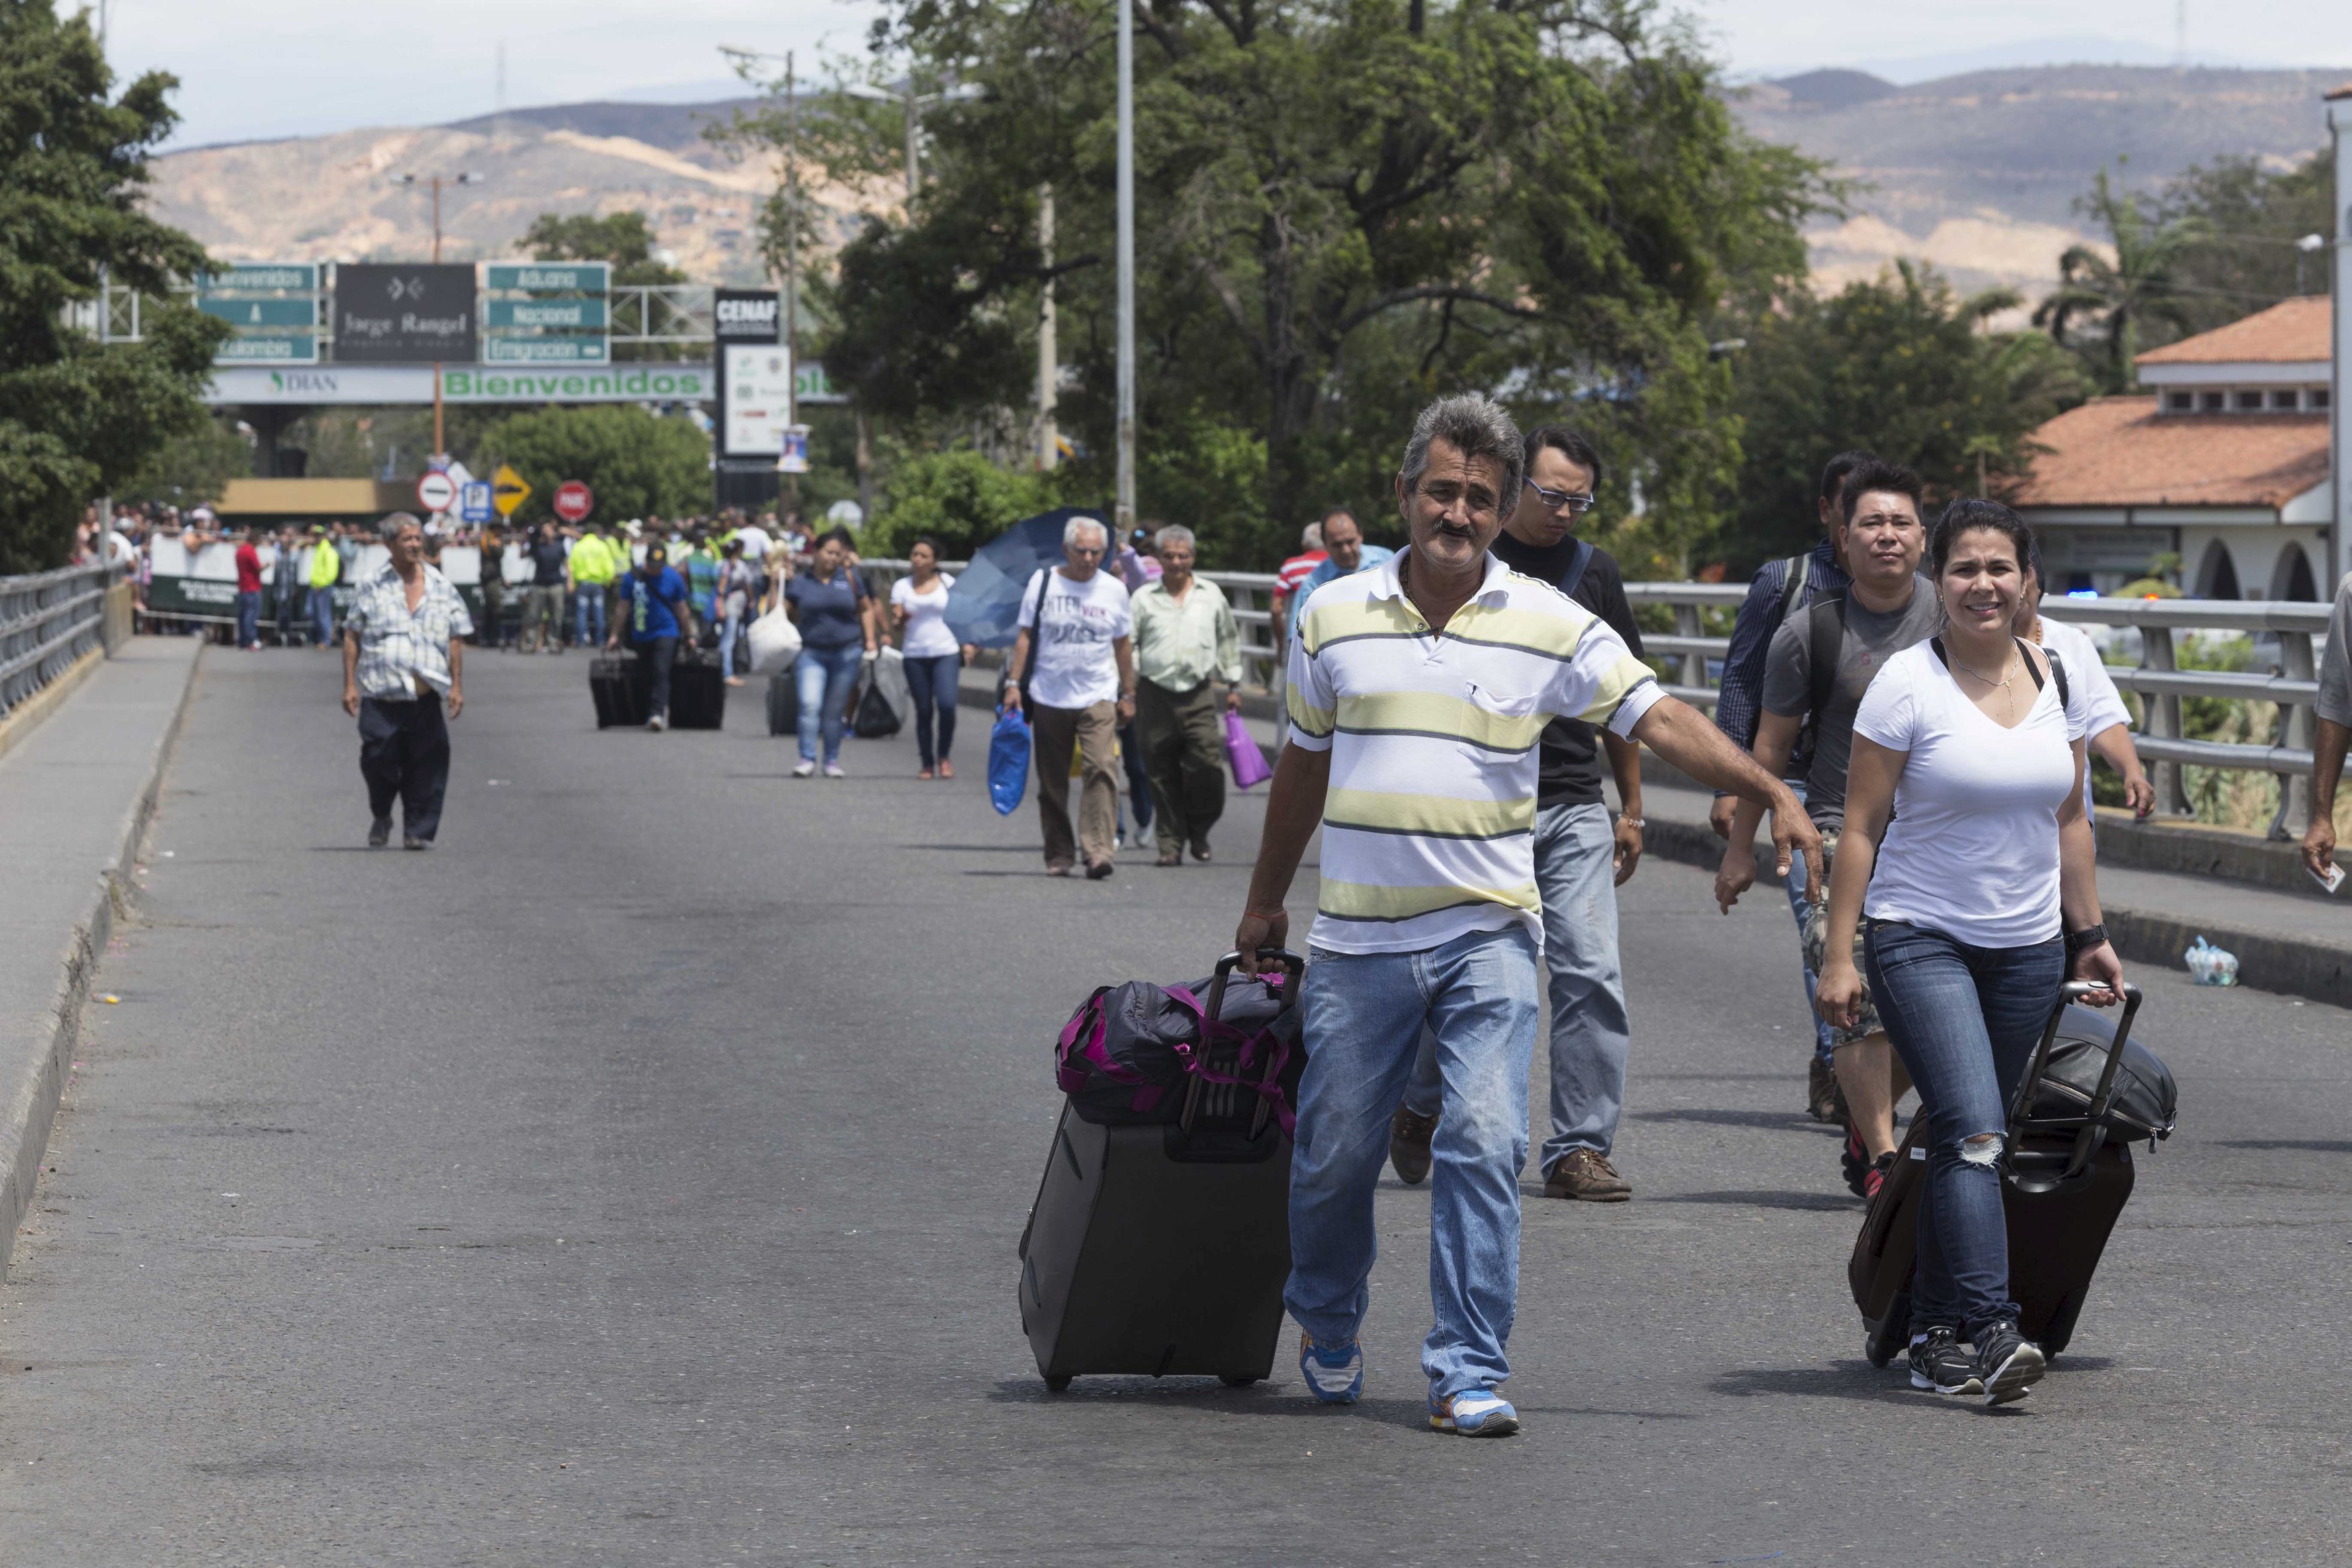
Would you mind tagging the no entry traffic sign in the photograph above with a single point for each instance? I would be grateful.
(572, 500)
(437, 492)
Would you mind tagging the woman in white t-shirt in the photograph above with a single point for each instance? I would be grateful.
(1968, 858)
(919, 612)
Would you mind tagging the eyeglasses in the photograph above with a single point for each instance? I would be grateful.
(1556, 499)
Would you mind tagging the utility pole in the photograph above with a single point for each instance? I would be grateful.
(440, 447)
(1049, 437)
(1125, 512)
(791, 264)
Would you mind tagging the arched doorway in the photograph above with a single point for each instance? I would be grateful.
(2217, 574)
(2291, 578)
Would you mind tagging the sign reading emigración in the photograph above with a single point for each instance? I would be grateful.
(403, 315)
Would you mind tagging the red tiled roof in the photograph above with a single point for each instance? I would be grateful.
(2291, 330)
(2120, 452)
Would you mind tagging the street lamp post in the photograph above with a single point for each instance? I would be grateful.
(440, 447)
(914, 103)
(1126, 267)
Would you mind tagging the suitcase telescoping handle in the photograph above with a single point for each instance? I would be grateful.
(1294, 971)
(2040, 1173)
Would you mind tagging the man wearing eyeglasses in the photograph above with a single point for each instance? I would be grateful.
(1345, 554)
(1581, 856)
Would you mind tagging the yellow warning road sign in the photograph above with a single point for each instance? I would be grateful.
(508, 490)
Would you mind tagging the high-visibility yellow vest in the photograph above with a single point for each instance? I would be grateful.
(324, 563)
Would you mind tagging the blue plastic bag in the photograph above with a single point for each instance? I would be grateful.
(1008, 761)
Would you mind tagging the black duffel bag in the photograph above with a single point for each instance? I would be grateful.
(2145, 1101)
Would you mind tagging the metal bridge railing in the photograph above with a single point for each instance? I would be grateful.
(46, 621)
(2292, 683)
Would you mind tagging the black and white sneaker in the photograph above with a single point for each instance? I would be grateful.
(1939, 1365)
(2008, 1364)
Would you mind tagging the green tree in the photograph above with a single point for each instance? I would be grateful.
(1899, 365)
(191, 466)
(624, 239)
(2250, 220)
(77, 417)
(2104, 307)
(959, 497)
(1345, 208)
(637, 464)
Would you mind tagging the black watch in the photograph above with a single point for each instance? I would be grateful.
(2088, 937)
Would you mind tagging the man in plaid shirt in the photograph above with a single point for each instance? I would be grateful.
(402, 653)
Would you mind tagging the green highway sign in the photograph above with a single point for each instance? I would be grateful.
(551, 276)
(584, 350)
(250, 313)
(498, 313)
(290, 350)
(257, 276)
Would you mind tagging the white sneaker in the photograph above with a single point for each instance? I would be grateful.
(656, 723)
(833, 770)
(805, 770)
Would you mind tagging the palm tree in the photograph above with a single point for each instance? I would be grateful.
(2113, 299)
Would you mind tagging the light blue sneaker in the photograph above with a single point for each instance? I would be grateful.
(1334, 1373)
(1473, 1412)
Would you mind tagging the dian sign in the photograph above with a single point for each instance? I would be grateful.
(572, 501)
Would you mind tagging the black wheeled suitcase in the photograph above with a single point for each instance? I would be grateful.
(2066, 1172)
(698, 697)
(1162, 1250)
(618, 688)
(783, 703)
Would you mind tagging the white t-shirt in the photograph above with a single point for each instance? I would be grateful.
(1075, 664)
(928, 636)
(1973, 849)
(756, 545)
(2087, 673)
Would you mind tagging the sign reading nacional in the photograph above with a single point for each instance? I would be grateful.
(648, 381)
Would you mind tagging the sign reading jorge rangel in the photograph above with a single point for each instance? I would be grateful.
(405, 315)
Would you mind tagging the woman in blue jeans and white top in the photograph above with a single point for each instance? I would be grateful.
(919, 605)
(1968, 859)
(829, 604)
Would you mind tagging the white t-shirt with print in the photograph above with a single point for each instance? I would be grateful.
(928, 636)
(1973, 849)
(1079, 621)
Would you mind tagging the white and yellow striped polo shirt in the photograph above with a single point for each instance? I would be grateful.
(1429, 828)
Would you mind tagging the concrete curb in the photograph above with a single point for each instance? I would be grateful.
(31, 1107)
(2317, 970)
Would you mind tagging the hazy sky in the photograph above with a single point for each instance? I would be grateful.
(255, 68)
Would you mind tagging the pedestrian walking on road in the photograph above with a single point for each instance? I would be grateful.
(1345, 554)
(1185, 640)
(403, 654)
(1075, 658)
(492, 633)
(591, 569)
(326, 566)
(1417, 692)
(1967, 863)
(656, 612)
(2335, 737)
(1582, 855)
(249, 592)
(918, 609)
(1820, 665)
(2110, 720)
(829, 603)
(286, 587)
(733, 599)
(542, 607)
(1777, 592)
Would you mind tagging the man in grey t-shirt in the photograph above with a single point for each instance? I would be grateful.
(1887, 607)
(2335, 736)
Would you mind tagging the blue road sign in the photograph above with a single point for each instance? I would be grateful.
(474, 502)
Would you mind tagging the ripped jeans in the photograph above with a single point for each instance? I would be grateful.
(1965, 1021)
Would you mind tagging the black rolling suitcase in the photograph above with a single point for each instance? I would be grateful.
(619, 690)
(2066, 1172)
(698, 697)
(783, 703)
(1162, 1250)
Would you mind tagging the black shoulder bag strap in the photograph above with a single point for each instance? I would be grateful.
(1796, 572)
(1577, 563)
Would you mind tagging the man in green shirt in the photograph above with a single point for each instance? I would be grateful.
(589, 570)
(1185, 639)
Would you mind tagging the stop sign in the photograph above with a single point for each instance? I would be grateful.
(572, 500)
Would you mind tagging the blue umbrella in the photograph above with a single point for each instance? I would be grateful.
(985, 602)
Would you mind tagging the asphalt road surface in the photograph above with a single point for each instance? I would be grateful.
(635, 1179)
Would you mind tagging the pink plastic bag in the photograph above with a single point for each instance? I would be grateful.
(1243, 755)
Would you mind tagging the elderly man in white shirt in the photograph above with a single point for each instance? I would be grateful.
(403, 654)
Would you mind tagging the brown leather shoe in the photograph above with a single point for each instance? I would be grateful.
(1587, 1174)
(1409, 1138)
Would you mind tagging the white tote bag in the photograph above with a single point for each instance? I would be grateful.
(774, 640)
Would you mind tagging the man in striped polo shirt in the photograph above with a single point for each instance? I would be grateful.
(1418, 691)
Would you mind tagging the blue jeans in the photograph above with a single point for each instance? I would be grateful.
(588, 616)
(248, 617)
(931, 688)
(322, 614)
(824, 677)
(1824, 1037)
(1965, 1021)
(730, 630)
(1576, 872)
(1364, 1017)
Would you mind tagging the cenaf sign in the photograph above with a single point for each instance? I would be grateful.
(654, 382)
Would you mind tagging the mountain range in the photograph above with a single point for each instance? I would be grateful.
(1976, 173)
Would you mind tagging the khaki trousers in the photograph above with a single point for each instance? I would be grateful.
(1184, 756)
(1053, 732)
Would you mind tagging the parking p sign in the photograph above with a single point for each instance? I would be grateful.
(474, 502)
